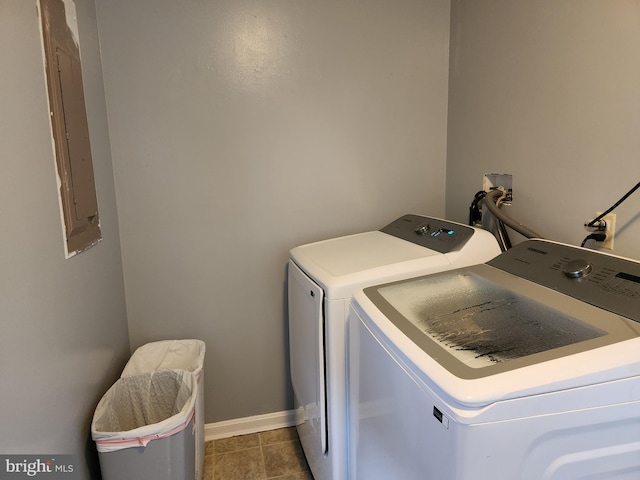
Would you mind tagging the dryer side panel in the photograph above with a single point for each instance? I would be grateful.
(306, 344)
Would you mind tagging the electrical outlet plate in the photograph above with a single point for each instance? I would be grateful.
(610, 219)
(503, 181)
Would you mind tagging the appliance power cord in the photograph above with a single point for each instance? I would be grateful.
(613, 207)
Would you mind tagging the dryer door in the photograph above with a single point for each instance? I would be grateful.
(306, 344)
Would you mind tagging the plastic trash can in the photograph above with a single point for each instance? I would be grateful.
(144, 427)
(171, 355)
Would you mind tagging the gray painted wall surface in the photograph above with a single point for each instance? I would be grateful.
(243, 128)
(548, 92)
(64, 334)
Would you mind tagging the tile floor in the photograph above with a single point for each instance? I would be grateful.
(271, 455)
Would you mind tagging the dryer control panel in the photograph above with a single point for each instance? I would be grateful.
(439, 235)
(605, 281)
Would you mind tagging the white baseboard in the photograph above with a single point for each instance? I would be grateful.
(244, 426)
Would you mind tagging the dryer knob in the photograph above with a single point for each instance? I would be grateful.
(577, 268)
(423, 230)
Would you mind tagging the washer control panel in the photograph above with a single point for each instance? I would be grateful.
(439, 235)
(606, 281)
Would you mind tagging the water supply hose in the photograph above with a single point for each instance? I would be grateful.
(491, 200)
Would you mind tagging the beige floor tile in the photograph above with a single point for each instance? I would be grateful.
(244, 464)
(283, 458)
(233, 444)
(295, 476)
(278, 435)
(208, 449)
(273, 455)
(207, 474)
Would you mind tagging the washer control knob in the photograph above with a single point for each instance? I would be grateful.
(577, 268)
(423, 230)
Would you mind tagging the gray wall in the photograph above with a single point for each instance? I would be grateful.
(64, 333)
(548, 92)
(242, 128)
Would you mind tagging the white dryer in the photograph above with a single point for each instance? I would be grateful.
(524, 368)
(322, 277)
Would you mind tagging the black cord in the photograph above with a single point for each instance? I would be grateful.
(598, 237)
(504, 235)
(475, 215)
(602, 215)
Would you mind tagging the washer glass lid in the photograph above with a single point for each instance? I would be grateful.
(478, 321)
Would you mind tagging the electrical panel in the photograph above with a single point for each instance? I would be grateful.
(70, 129)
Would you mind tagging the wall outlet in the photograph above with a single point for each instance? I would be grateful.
(610, 219)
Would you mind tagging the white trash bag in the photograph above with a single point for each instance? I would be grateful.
(167, 355)
(140, 408)
(186, 354)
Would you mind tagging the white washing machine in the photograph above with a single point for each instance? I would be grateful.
(322, 277)
(524, 368)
